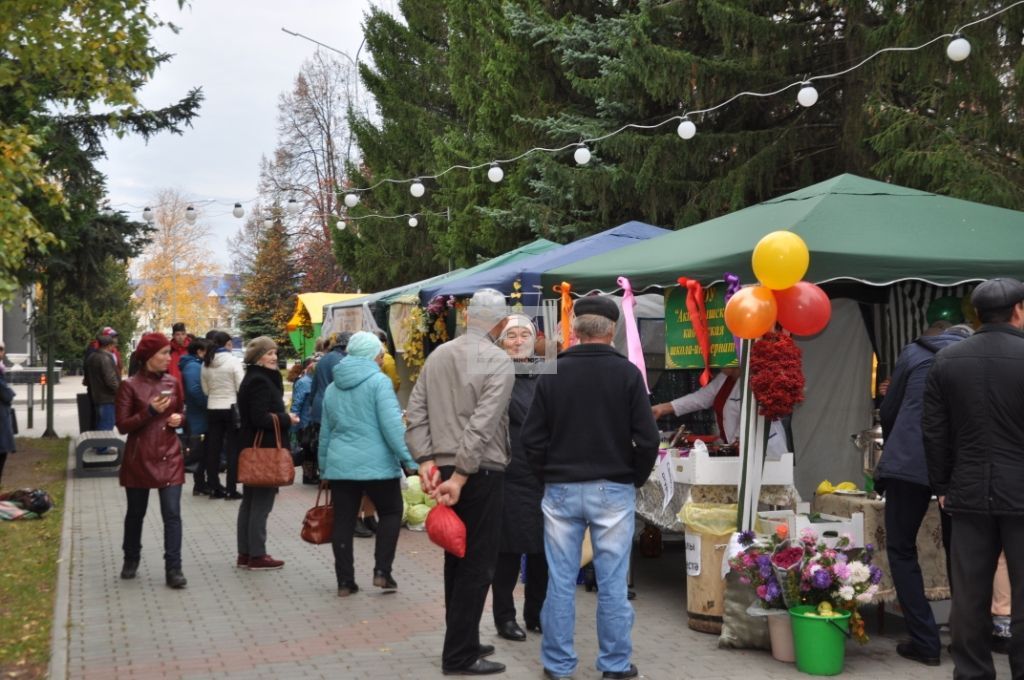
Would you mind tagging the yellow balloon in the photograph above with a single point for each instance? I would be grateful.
(780, 260)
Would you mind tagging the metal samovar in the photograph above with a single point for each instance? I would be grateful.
(870, 443)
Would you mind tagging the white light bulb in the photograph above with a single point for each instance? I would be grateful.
(416, 189)
(293, 206)
(268, 222)
(495, 173)
(341, 225)
(351, 200)
(581, 155)
(190, 215)
(413, 222)
(958, 49)
(807, 96)
(237, 210)
(686, 129)
(147, 214)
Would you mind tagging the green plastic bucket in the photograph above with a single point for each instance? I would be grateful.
(819, 641)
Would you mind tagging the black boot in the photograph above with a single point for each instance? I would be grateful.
(175, 579)
(361, 531)
(129, 569)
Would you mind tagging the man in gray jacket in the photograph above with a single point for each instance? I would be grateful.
(458, 433)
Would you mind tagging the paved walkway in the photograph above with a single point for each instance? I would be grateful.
(290, 624)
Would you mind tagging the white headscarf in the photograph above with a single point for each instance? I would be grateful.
(519, 321)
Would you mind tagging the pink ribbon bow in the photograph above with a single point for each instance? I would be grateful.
(634, 347)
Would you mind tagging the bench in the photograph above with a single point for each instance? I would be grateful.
(97, 465)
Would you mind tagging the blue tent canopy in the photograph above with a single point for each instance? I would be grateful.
(528, 270)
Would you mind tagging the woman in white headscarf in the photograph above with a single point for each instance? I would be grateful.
(522, 527)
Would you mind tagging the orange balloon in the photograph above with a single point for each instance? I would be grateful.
(751, 312)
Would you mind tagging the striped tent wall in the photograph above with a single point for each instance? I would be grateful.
(906, 314)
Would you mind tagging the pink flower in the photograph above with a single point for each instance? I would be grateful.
(842, 571)
(762, 591)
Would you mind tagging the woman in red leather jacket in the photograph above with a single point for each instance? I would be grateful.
(148, 408)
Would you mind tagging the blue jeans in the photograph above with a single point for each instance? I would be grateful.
(104, 416)
(608, 508)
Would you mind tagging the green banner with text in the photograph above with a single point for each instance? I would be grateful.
(681, 347)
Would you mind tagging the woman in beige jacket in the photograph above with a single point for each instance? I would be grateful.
(220, 377)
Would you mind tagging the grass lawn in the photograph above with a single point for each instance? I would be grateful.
(28, 560)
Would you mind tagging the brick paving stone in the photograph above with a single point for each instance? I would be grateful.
(231, 623)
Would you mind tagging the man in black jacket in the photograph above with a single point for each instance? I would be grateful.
(903, 474)
(973, 426)
(590, 436)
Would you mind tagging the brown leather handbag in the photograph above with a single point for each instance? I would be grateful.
(318, 523)
(265, 466)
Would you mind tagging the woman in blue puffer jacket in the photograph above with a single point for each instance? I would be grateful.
(362, 450)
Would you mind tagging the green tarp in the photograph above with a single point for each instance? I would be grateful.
(855, 228)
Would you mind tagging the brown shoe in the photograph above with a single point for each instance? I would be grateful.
(264, 563)
(242, 562)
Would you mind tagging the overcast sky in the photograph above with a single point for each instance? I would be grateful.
(236, 51)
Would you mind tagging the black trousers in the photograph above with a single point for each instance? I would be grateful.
(506, 573)
(467, 579)
(906, 504)
(221, 436)
(346, 495)
(979, 538)
(170, 511)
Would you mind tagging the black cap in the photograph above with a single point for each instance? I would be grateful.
(997, 294)
(601, 305)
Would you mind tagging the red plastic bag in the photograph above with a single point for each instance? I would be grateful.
(446, 529)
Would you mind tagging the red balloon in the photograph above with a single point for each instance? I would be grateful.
(804, 309)
(750, 313)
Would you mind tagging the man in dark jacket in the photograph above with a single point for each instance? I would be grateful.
(973, 427)
(102, 379)
(591, 437)
(903, 473)
(324, 374)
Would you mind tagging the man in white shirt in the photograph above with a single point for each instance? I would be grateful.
(723, 395)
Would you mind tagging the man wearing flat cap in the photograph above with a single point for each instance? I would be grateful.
(591, 438)
(973, 427)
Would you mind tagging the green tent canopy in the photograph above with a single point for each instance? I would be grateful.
(855, 228)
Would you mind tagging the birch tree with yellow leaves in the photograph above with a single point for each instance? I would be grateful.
(174, 271)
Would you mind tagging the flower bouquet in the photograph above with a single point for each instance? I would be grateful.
(753, 566)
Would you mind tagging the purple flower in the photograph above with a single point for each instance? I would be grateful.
(747, 537)
(876, 574)
(772, 591)
(821, 579)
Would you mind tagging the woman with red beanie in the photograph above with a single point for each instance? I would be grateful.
(148, 408)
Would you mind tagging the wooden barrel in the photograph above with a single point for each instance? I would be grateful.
(705, 587)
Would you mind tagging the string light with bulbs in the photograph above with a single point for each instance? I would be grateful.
(958, 49)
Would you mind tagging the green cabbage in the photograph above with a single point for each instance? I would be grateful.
(414, 494)
(416, 514)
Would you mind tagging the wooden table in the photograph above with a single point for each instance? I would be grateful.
(930, 553)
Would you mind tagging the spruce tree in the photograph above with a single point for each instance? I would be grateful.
(268, 291)
(463, 82)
